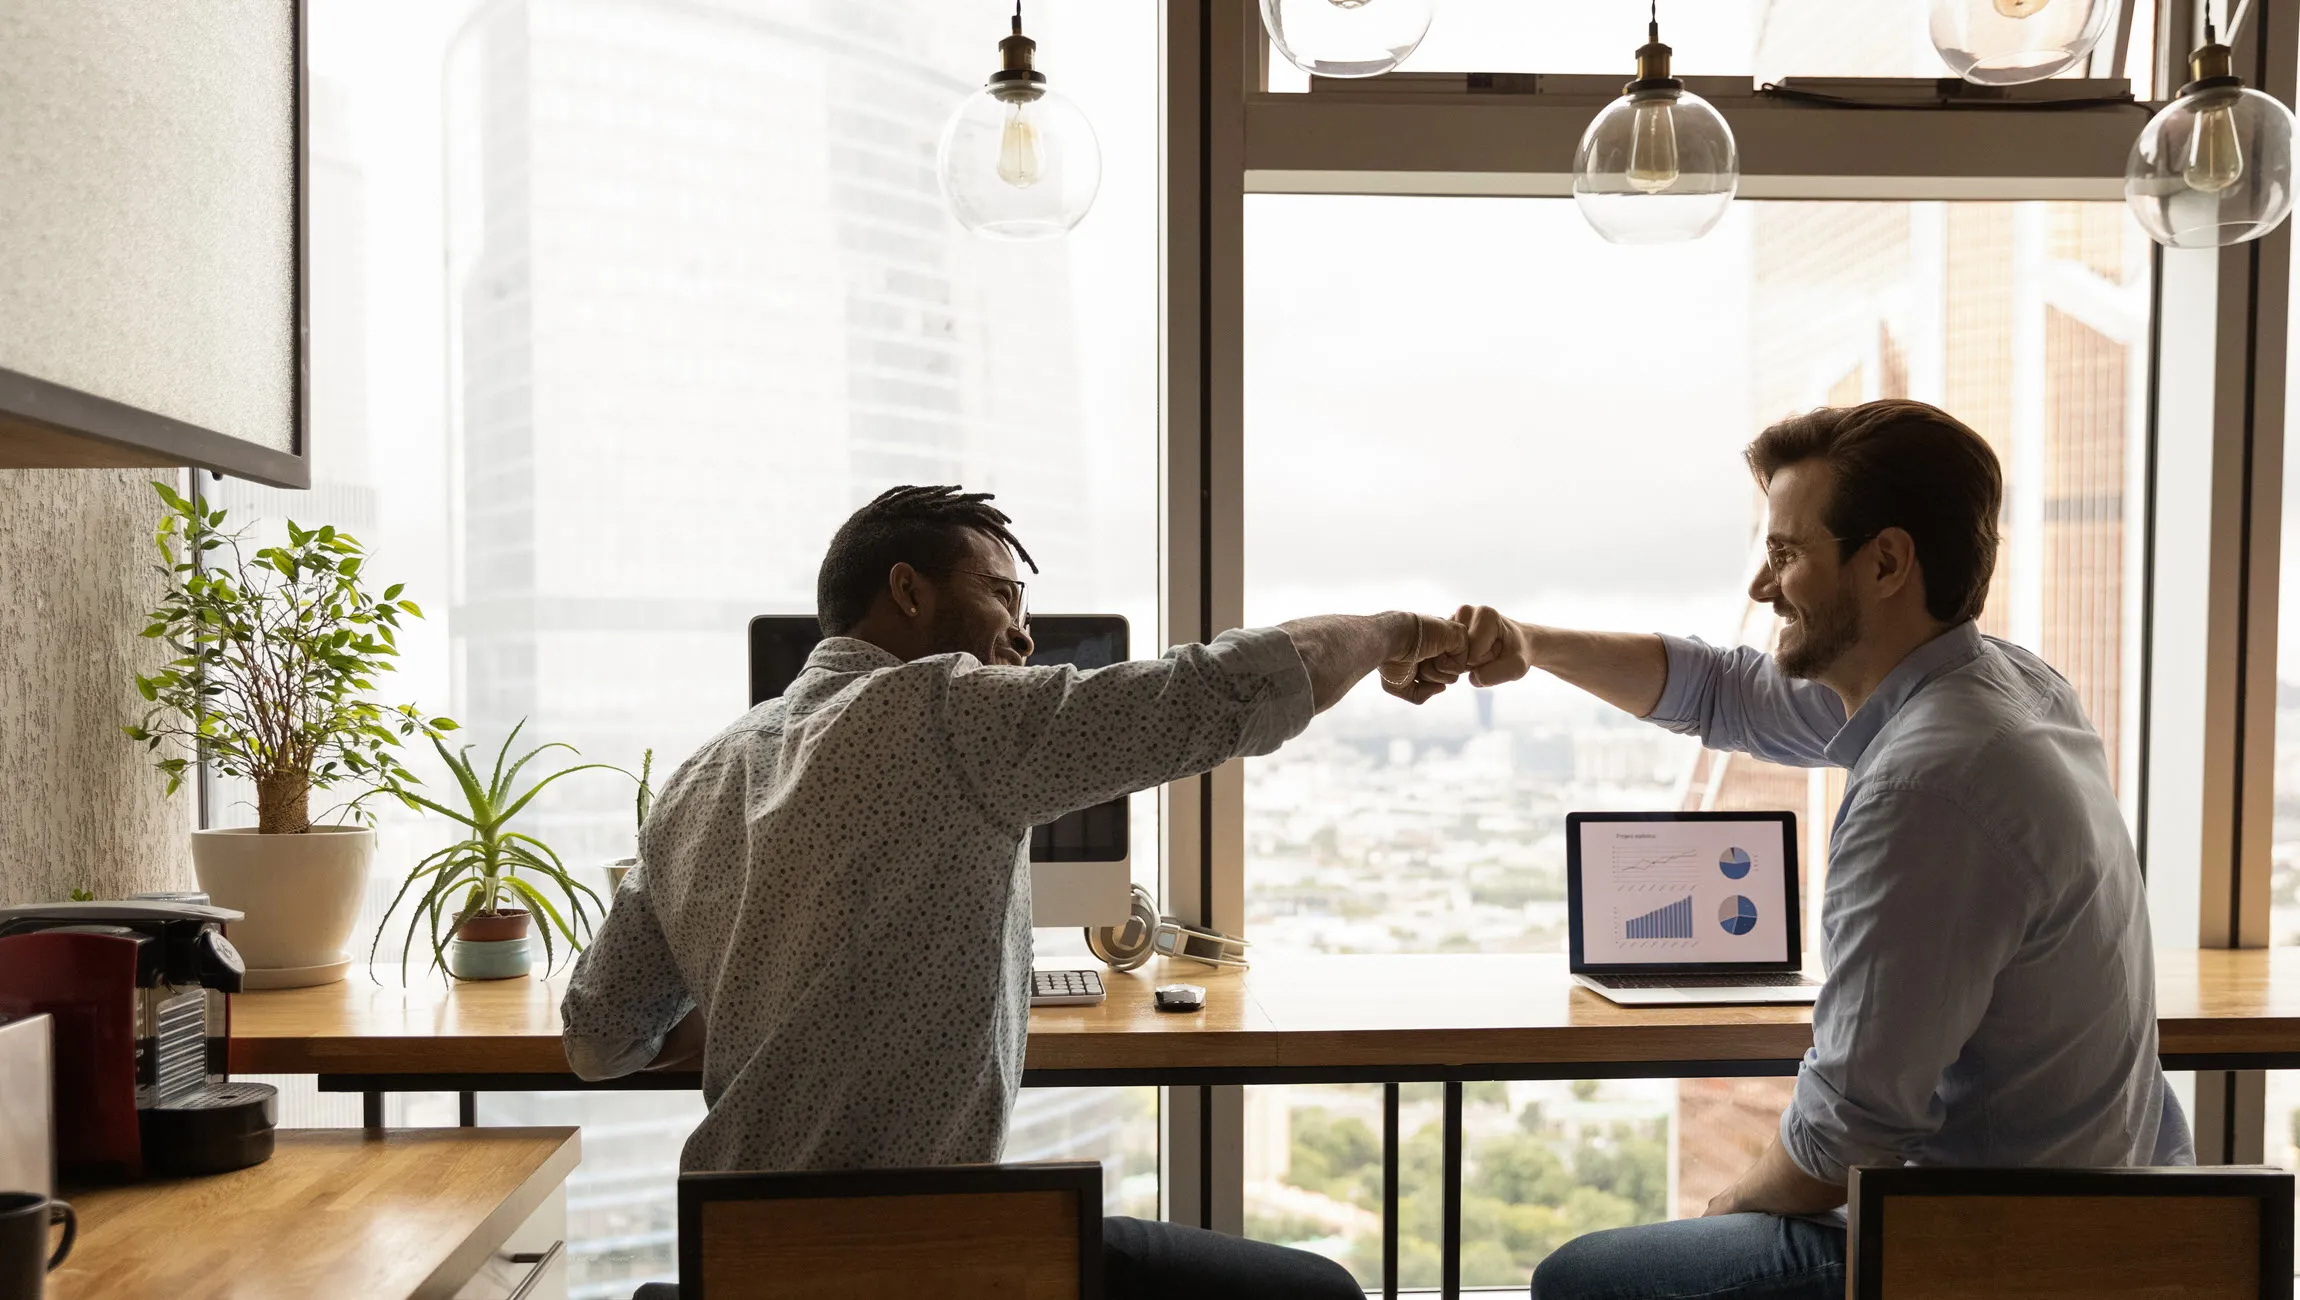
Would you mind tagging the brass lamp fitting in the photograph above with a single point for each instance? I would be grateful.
(1016, 82)
(2211, 62)
(1653, 65)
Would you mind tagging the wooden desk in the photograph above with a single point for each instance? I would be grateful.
(342, 1213)
(1290, 1018)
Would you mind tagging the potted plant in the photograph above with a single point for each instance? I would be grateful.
(621, 867)
(490, 884)
(277, 654)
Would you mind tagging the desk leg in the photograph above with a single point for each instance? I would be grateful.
(467, 1109)
(1389, 1191)
(371, 1109)
(1449, 1250)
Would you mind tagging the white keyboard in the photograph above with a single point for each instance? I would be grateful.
(1065, 988)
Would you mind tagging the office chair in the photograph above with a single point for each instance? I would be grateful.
(2214, 1233)
(1015, 1232)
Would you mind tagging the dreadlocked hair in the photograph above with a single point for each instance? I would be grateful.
(923, 527)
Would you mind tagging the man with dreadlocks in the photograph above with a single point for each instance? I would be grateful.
(833, 915)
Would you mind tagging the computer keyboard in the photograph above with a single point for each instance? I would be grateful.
(1065, 988)
(1786, 980)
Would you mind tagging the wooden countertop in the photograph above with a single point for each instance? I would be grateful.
(343, 1213)
(1288, 1012)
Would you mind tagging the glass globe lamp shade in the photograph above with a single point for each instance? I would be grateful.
(2213, 168)
(1019, 161)
(1657, 166)
(1346, 38)
(2007, 42)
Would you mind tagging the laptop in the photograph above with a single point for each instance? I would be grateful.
(1683, 908)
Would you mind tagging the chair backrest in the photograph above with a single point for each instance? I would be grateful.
(1025, 1232)
(2212, 1233)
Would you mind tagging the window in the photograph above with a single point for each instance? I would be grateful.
(1513, 412)
(701, 299)
(1525, 416)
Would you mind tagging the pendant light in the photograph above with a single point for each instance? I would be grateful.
(2008, 42)
(1018, 160)
(2214, 167)
(1658, 165)
(1346, 38)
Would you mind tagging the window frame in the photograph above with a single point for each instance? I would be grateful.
(2211, 524)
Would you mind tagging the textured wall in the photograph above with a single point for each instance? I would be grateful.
(78, 805)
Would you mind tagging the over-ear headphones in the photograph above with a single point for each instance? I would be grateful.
(1129, 944)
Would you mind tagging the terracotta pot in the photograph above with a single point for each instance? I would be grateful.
(509, 923)
(301, 894)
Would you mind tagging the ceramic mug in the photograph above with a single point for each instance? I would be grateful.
(25, 1263)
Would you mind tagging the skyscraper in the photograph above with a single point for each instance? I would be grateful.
(703, 244)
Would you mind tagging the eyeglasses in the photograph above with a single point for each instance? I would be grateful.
(1780, 555)
(1012, 594)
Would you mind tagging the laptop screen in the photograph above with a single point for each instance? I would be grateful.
(1688, 891)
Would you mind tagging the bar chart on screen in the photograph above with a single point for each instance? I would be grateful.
(1674, 921)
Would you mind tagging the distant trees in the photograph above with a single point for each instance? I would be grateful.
(1524, 1192)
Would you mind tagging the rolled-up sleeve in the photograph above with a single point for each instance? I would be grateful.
(1041, 742)
(1738, 699)
(1907, 872)
(625, 993)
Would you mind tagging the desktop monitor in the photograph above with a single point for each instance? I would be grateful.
(1080, 870)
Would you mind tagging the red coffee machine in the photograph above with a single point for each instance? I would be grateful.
(137, 992)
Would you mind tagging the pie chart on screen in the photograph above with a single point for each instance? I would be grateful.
(1735, 863)
(1737, 914)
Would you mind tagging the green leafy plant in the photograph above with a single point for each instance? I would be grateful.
(277, 654)
(493, 865)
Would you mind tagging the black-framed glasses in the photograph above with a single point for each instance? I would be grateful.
(1013, 594)
(1780, 555)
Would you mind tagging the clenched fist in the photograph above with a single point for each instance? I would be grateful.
(1495, 649)
(1428, 656)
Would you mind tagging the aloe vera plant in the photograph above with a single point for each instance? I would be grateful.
(494, 865)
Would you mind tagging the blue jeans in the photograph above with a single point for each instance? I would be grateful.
(1730, 1257)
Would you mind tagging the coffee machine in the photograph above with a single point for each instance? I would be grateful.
(136, 991)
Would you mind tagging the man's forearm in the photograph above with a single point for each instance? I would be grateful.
(1775, 1185)
(1340, 649)
(1627, 670)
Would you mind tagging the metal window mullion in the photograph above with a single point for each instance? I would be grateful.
(1389, 1191)
(1449, 1192)
(1210, 60)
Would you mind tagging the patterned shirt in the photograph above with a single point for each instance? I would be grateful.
(1991, 991)
(840, 881)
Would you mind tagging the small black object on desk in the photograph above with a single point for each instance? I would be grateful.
(1180, 997)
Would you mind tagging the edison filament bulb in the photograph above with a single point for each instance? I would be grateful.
(1018, 160)
(1659, 163)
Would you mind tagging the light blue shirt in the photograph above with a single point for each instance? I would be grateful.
(1991, 990)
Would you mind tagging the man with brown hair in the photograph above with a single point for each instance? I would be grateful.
(1990, 997)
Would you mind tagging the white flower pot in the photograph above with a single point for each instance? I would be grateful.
(301, 894)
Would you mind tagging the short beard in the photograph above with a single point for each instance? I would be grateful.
(1824, 635)
(949, 634)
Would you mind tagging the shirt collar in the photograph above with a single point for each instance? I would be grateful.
(1949, 651)
(846, 654)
